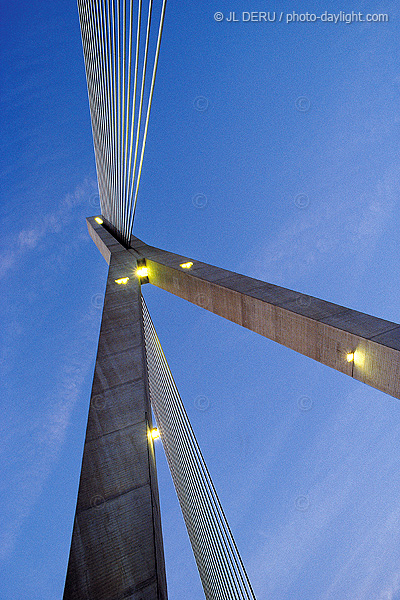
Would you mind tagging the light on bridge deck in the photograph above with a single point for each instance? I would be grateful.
(155, 434)
(142, 272)
(359, 358)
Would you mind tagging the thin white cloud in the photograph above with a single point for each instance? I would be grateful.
(345, 225)
(345, 470)
(51, 223)
(29, 238)
(37, 446)
(390, 592)
(29, 449)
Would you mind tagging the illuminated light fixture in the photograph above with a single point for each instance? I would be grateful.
(99, 220)
(142, 272)
(155, 434)
(186, 265)
(350, 357)
(359, 358)
(122, 281)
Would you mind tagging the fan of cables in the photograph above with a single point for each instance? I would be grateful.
(116, 36)
(221, 570)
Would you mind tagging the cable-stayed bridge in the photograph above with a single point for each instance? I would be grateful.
(117, 551)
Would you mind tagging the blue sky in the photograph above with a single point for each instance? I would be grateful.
(272, 151)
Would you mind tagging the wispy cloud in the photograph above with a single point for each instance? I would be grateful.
(339, 223)
(28, 239)
(349, 522)
(35, 446)
(31, 440)
(391, 590)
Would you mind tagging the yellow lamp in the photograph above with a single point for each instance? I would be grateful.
(142, 272)
(155, 434)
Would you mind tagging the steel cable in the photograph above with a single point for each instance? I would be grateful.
(220, 567)
(119, 114)
(160, 30)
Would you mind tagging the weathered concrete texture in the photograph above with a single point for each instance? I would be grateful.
(117, 549)
(321, 330)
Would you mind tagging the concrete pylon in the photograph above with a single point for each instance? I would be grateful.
(117, 549)
(356, 344)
